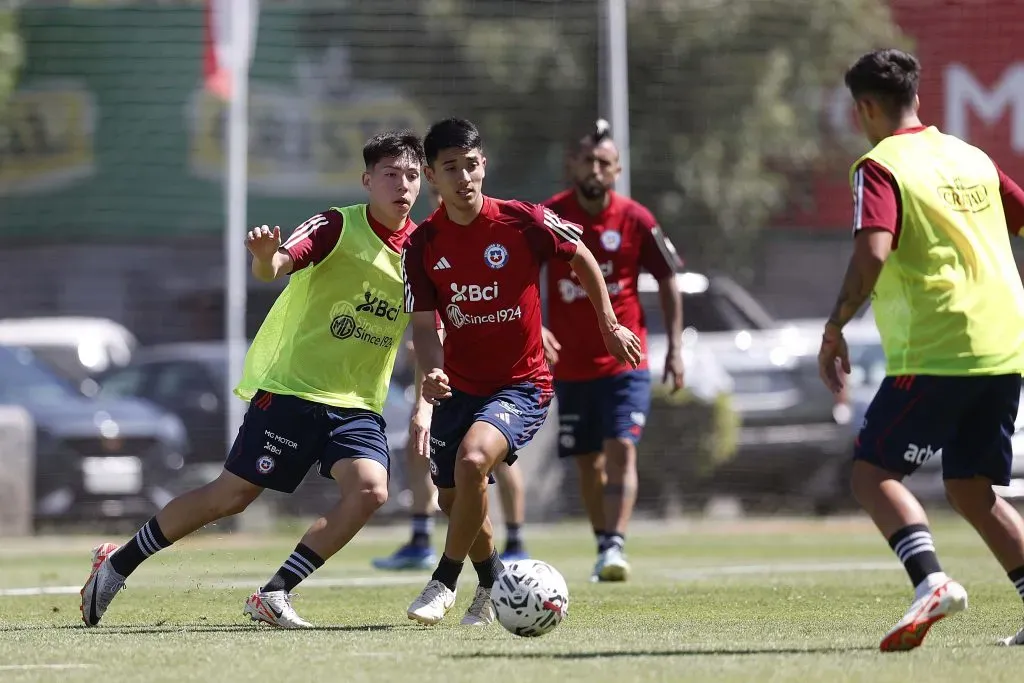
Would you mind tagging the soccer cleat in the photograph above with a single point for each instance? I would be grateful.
(1014, 640)
(432, 604)
(101, 586)
(481, 610)
(409, 556)
(274, 608)
(611, 565)
(945, 599)
(510, 556)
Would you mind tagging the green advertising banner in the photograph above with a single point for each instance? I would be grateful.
(110, 133)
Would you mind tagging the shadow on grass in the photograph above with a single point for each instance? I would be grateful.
(142, 629)
(688, 652)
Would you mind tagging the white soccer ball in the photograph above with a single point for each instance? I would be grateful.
(530, 598)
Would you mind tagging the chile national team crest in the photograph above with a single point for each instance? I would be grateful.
(496, 255)
(611, 240)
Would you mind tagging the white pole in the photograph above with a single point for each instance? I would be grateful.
(618, 85)
(235, 207)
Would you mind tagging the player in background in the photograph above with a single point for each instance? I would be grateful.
(477, 261)
(316, 376)
(932, 223)
(418, 552)
(603, 402)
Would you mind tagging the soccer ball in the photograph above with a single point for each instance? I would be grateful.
(530, 598)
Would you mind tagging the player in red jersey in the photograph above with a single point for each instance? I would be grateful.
(477, 261)
(417, 552)
(603, 402)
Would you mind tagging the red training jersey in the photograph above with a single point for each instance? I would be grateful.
(484, 280)
(624, 238)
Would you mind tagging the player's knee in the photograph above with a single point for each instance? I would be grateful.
(620, 453)
(590, 466)
(231, 496)
(372, 496)
(472, 467)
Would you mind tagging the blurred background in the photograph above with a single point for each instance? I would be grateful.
(123, 207)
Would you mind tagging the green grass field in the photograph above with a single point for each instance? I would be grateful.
(773, 600)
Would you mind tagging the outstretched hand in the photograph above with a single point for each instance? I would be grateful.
(262, 242)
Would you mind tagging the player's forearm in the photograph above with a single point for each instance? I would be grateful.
(429, 351)
(588, 272)
(672, 311)
(270, 269)
(861, 276)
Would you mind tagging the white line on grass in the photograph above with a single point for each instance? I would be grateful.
(795, 568)
(234, 583)
(26, 667)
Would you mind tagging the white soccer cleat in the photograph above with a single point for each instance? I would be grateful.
(481, 610)
(947, 598)
(274, 608)
(101, 586)
(1014, 640)
(432, 604)
(611, 565)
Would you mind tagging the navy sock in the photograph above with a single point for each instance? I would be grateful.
(299, 565)
(148, 541)
(915, 548)
(1017, 577)
(422, 526)
(447, 572)
(513, 538)
(489, 570)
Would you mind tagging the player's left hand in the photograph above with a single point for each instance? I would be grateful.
(833, 357)
(419, 431)
(674, 369)
(623, 344)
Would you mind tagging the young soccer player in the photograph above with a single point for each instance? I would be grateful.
(317, 376)
(477, 261)
(418, 552)
(603, 402)
(932, 220)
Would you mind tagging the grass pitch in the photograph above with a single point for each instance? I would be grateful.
(773, 600)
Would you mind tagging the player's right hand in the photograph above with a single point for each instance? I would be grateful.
(551, 346)
(623, 344)
(262, 242)
(436, 387)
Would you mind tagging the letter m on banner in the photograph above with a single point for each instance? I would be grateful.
(219, 30)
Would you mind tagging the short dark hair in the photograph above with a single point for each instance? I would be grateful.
(450, 134)
(393, 144)
(890, 75)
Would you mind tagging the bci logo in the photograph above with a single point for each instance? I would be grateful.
(474, 292)
(378, 306)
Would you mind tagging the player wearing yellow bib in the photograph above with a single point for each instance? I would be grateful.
(932, 223)
(316, 377)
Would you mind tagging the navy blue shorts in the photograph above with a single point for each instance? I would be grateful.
(282, 436)
(517, 411)
(966, 421)
(591, 411)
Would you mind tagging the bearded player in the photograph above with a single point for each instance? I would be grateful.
(603, 402)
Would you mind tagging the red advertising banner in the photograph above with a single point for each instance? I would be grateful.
(972, 86)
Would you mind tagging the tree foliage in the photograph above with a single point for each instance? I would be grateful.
(11, 54)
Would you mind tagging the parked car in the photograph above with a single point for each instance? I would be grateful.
(792, 426)
(189, 379)
(76, 348)
(95, 458)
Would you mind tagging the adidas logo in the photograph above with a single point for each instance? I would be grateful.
(442, 264)
(504, 417)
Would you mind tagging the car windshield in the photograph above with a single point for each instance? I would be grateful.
(23, 379)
